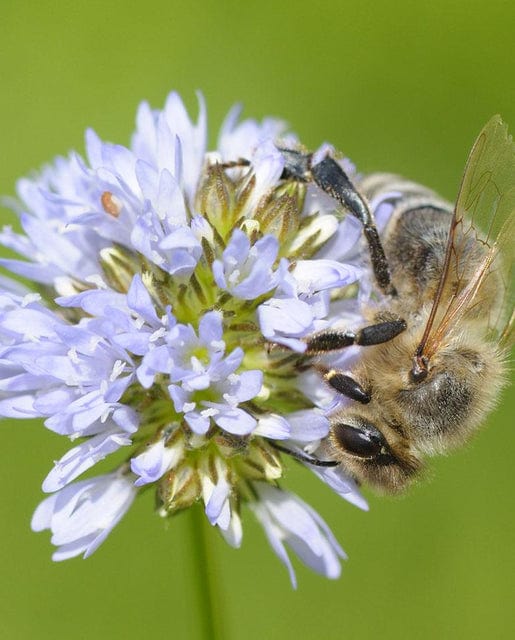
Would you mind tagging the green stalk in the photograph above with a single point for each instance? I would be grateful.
(208, 590)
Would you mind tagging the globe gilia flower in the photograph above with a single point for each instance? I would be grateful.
(172, 290)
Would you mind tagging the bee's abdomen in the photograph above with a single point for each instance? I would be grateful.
(415, 244)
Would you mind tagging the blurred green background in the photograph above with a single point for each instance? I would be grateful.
(400, 86)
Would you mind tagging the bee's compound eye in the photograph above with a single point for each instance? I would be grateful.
(364, 442)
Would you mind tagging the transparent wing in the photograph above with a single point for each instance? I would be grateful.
(506, 339)
(480, 247)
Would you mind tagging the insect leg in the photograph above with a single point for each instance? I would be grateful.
(297, 165)
(345, 384)
(332, 179)
(331, 340)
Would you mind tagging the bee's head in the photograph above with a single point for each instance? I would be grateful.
(364, 453)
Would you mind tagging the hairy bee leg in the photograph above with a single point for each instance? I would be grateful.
(333, 340)
(331, 178)
(345, 384)
(368, 336)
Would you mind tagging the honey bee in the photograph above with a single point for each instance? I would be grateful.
(435, 349)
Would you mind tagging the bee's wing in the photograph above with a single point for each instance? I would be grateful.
(506, 339)
(487, 191)
(486, 201)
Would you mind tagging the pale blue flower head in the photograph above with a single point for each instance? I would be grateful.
(173, 293)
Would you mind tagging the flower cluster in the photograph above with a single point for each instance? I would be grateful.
(172, 293)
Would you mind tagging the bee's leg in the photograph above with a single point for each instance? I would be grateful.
(297, 165)
(332, 179)
(373, 334)
(334, 340)
(344, 384)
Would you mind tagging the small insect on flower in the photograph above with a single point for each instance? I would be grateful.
(438, 336)
(200, 315)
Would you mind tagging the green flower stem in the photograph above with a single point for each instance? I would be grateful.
(208, 591)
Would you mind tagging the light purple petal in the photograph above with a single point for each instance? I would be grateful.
(82, 457)
(341, 484)
(211, 330)
(216, 497)
(233, 534)
(308, 425)
(222, 369)
(82, 514)
(154, 462)
(287, 316)
(275, 537)
(235, 421)
(198, 422)
(273, 426)
(317, 275)
(139, 300)
(243, 387)
(297, 524)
